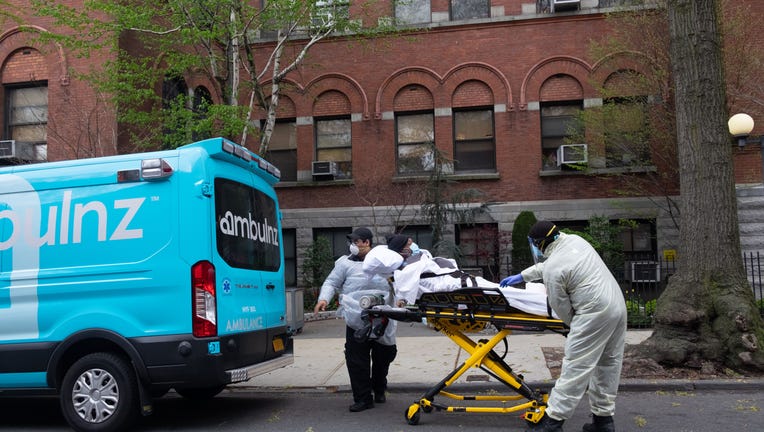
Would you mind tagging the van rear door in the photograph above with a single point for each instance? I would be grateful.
(248, 259)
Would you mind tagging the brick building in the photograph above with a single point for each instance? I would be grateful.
(492, 84)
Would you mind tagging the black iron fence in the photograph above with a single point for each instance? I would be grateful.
(753, 268)
(645, 277)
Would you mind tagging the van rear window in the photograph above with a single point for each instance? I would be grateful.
(247, 228)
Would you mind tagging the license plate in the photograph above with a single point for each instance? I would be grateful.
(278, 345)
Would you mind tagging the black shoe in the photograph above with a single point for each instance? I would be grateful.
(600, 424)
(546, 424)
(360, 406)
(380, 397)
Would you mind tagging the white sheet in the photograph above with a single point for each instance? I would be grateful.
(409, 285)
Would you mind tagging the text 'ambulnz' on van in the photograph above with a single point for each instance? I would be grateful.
(122, 277)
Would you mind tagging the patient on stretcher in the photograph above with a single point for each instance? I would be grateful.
(426, 273)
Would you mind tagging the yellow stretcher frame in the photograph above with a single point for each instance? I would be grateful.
(455, 313)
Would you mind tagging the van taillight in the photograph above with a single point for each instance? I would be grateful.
(204, 305)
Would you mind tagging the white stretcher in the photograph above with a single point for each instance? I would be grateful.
(456, 313)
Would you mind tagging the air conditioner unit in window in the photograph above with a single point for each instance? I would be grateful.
(324, 169)
(572, 154)
(565, 5)
(7, 149)
(17, 150)
(645, 271)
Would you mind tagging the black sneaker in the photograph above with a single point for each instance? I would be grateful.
(546, 424)
(360, 406)
(600, 424)
(380, 397)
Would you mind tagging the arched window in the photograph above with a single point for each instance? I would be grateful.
(415, 130)
(333, 143)
(561, 106)
(25, 107)
(473, 128)
(333, 138)
(26, 120)
(282, 149)
(559, 123)
(415, 141)
(474, 141)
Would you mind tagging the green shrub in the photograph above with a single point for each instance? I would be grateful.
(639, 313)
(650, 308)
(318, 263)
(632, 307)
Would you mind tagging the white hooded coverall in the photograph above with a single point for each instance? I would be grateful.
(587, 297)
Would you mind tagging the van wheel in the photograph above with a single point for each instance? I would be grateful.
(200, 393)
(99, 393)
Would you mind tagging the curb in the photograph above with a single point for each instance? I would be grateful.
(311, 316)
(633, 384)
(626, 385)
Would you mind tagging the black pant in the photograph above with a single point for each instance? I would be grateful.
(368, 363)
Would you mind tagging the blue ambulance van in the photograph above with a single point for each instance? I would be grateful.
(123, 277)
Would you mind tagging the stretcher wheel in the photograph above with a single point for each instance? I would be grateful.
(412, 414)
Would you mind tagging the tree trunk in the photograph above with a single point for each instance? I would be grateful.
(707, 312)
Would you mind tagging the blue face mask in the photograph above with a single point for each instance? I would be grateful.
(415, 249)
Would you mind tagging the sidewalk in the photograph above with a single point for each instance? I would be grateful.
(425, 357)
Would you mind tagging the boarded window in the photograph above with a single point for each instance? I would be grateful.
(470, 9)
(412, 11)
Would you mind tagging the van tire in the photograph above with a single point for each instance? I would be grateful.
(105, 374)
(200, 393)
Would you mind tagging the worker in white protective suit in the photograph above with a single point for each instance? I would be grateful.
(368, 359)
(587, 297)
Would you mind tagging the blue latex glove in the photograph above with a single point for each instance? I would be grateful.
(511, 280)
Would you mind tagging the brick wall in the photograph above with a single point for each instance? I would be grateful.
(748, 163)
(78, 125)
(23, 65)
(508, 65)
(511, 64)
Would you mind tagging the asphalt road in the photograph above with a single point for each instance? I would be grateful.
(317, 411)
(645, 409)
